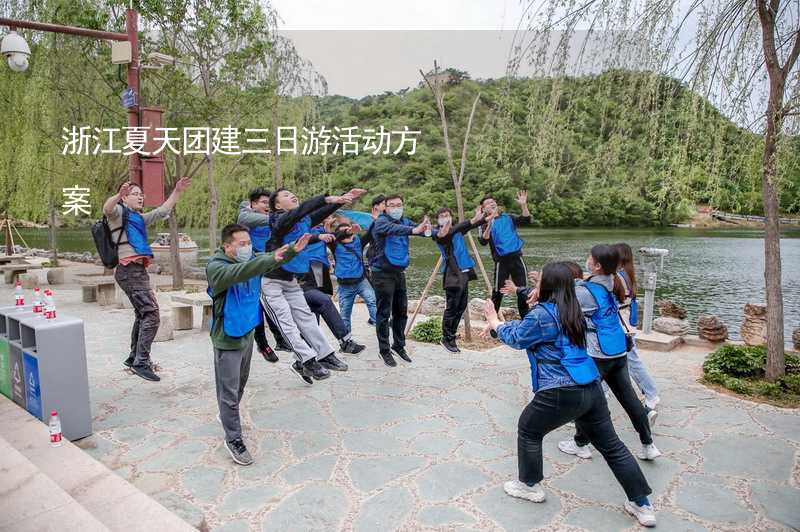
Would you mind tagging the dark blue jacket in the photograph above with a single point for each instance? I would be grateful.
(390, 243)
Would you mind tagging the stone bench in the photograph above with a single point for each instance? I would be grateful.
(182, 316)
(194, 300)
(12, 259)
(12, 271)
(98, 288)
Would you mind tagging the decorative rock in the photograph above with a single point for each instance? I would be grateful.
(433, 306)
(671, 326)
(668, 309)
(754, 327)
(796, 339)
(476, 308)
(29, 281)
(55, 276)
(166, 331)
(711, 328)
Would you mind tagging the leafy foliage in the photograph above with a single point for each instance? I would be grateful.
(741, 369)
(429, 331)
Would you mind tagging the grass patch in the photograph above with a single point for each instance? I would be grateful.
(740, 369)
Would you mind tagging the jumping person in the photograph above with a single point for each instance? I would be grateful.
(566, 384)
(318, 289)
(234, 284)
(457, 270)
(378, 208)
(254, 214)
(283, 297)
(390, 232)
(123, 211)
(506, 246)
(350, 273)
(636, 366)
(599, 298)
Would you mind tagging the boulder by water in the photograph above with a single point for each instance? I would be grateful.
(754, 326)
(669, 309)
(711, 328)
(671, 326)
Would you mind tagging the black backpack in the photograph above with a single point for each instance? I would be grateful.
(107, 248)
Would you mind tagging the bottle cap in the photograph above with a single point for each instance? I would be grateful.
(53, 413)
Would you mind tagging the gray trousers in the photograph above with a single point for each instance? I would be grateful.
(135, 282)
(285, 303)
(231, 369)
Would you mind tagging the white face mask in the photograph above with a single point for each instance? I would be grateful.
(395, 212)
(443, 221)
(244, 253)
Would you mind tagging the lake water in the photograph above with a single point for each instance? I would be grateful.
(707, 271)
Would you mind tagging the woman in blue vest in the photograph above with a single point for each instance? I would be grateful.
(351, 277)
(457, 270)
(506, 246)
(567, 388)
(607, 344)
(254, 214)
(636, 366)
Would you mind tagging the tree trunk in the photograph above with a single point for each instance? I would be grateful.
(776, 365)
(213, 212)
(52, 235)
(174, 249)
(278, 176)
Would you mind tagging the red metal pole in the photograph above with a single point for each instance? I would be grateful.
(132, 27)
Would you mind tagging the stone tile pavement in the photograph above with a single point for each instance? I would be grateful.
(424, 446)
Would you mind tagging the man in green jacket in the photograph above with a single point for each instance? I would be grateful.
(234, 284)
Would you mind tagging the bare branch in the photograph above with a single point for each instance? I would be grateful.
(466, 139)
(793, 55)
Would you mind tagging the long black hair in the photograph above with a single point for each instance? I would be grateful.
(557, 285)
(626, 264)
(608, 259)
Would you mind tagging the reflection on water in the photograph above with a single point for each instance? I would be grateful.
(713, 271)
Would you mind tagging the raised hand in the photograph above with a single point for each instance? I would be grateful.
(326, 237)
(280, 253)
(533, 277)
(489, 311)
(420, 228)
(522, 197)
(509, 289)
(356, 193)
(124, 189)
(533, 297)
(301, 242)
(354, 229)
(183, 183)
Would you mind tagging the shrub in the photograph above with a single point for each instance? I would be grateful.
(737, 361)
(429, 331)
(792, 383)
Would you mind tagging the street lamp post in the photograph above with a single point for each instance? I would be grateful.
(131, 36)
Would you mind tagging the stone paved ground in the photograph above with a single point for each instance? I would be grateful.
(419, 447)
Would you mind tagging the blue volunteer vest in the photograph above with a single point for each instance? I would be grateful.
(318, 252)
(606, 320)
(241, 312)
(259, 236)
(504, 236)
(634, 306)
(300, 263)
(137, 234)
(574, 359)
(395, 249)
(460, 253)
(348, 260)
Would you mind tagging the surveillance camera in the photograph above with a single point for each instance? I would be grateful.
(16, 51)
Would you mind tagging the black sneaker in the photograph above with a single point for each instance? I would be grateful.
(351, 347)
(371, 322)
(388, 359)
(302, 372)
(128, 361)
(401, 352)
(450, 346)
(316, 370)
(239, 452)
(331, 362)
(146, 372)
(268, 354)
(283, 346)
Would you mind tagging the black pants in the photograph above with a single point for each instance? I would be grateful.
(392, 301)
(615, 372)
(260, 334)
(550, 409)
(456, 303)
(322, 305)
(513, 268)
(135, 282)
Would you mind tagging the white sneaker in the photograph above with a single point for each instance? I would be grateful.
(518, 489)
(570, 447)
(652, 415)
(649, 452)
(644, 514)
(652, 403)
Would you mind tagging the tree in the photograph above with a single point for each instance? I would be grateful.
(738, 46)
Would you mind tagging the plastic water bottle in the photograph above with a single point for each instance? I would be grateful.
(37, 302)
(49, 305)
(55, 430)
(19, 295)
(428, 232)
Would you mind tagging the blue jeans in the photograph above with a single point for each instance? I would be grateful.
(347, 295)
(640, 375)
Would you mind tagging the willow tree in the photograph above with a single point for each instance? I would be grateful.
(742, 55)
